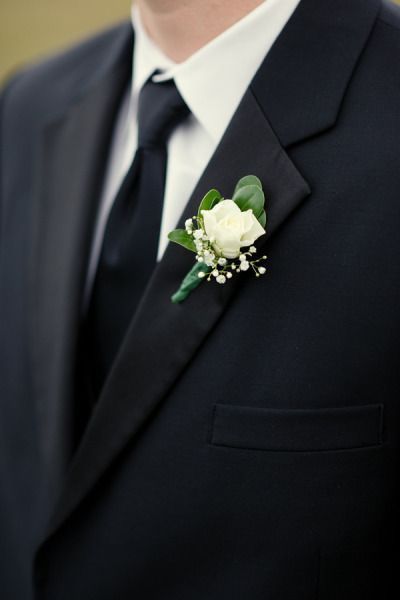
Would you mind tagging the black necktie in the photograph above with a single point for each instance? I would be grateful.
(129, 250)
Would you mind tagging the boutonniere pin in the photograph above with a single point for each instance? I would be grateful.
(222, 236)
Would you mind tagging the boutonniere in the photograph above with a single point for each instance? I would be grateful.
(222, 236)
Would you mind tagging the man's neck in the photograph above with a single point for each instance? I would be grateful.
(180, 27)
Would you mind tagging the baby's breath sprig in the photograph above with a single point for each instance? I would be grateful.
(218, 267)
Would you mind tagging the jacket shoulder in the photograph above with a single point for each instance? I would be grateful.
(53, 82)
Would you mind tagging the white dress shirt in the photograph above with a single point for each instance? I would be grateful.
(212, 82)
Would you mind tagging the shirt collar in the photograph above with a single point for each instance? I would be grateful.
(221, 70)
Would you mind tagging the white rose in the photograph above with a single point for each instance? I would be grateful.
(230, 229)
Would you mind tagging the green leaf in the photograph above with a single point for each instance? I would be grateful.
(262, 219)
(190, 282)
(250, 196)
(248, 180)
(209, 201)
(181, 237)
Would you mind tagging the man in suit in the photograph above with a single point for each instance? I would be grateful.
(244, 443)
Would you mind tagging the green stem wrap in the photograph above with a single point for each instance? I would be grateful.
(190, 282)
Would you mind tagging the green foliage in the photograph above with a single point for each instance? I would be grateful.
(249, 195)
(181, 237)
(248, 180)
(209, 201)
(262, 219)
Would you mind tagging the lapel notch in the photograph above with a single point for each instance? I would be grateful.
(304, 77)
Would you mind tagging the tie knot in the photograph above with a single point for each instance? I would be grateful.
(161, 108)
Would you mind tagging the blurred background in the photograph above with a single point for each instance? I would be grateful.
(30, 29)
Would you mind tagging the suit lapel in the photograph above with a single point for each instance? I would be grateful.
(131, 392)
(68, 184)
(304, 77)
(250, 145)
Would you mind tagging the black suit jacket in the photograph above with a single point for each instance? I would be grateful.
(246, 443)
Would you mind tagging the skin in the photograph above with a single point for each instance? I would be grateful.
(181, 27)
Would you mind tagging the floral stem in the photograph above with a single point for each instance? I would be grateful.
(190, 282)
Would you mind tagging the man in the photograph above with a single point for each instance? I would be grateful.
(245, 442)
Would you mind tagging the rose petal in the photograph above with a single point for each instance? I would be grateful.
(230, 228)
(210, 222)
(253, 233)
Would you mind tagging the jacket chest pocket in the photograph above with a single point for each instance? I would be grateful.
(297, 430)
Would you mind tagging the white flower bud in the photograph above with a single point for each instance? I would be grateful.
(221, 279)
(262, 270)
(229, 229)
(244, 265)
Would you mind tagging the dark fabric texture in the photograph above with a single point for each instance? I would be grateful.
(245, 444)
(130, 244)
